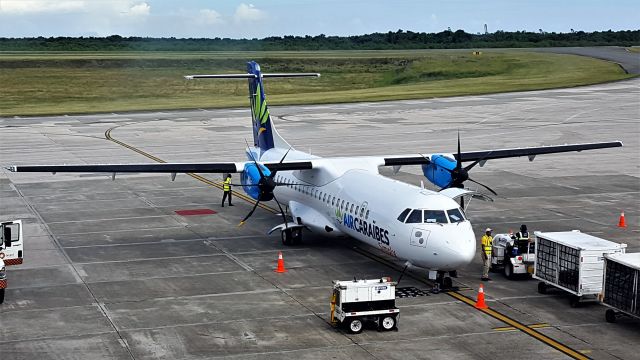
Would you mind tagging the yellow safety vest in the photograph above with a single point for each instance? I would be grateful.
(486, 244)
(227, 184)
(521, 236)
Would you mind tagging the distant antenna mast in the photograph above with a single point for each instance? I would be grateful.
(485, 29)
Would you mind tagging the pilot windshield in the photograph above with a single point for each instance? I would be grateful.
(415, 216)
(455, 215)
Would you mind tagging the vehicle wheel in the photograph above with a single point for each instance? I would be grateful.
(286, 237)
(574, 301)
(610, 315)
(447, 283)
(1, 296)
(296, 236)
(542, 288)
(355, 326)
(387, 322)
(508, 271)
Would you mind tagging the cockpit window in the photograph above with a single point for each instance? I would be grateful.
(403, 215)
(435, 216)
(455, 215)
(415, 217)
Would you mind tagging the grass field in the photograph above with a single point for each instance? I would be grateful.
(65, 83)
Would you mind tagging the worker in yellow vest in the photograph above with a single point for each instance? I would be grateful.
(226, 186)
(487, 241)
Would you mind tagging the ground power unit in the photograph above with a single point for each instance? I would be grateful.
(357, 302)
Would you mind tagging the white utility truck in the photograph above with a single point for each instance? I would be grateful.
(572, 261)
(513, 256)
(356, 301)
(11, 250)
(621, 283)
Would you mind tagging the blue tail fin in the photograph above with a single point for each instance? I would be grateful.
(262, 129)
(264, 134)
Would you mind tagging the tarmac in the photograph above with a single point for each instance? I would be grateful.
(112, 272)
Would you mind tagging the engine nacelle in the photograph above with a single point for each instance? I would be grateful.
(437, 170)
(251, 176)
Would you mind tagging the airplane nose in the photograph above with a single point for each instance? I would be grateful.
(465, 246)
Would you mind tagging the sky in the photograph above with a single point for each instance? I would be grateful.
(262, 18)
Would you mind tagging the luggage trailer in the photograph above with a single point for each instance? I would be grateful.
(572, 261)
(621, 283)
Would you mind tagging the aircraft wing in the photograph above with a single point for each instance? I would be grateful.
(173, 168)
(484, 155)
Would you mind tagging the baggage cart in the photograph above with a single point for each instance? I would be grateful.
(572, 261)
(620, 287)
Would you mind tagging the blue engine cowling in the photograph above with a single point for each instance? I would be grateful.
(436, 170)
(251, 176)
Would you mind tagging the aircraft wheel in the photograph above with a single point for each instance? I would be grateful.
(610, 316)
(355, 326)
(286, 237)
(296, 236)
(387, 322)
(1, 296)
(447, 283)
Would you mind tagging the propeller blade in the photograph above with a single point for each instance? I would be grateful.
(254, 159)
(483, 185)
(285, 155)
(459, 163)
(249, 214)
(470, 166)
(284, 218)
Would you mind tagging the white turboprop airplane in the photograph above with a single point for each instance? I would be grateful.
(347, 196)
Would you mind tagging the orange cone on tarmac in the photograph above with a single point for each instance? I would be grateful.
(621, 222)
(480, 304)
(280, 268)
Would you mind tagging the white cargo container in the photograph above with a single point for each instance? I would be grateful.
(620, 288)
(572, 261)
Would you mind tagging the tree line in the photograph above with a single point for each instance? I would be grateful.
(377, 41)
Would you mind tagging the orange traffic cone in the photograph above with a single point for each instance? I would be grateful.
(280, 268)
(480, 304)
(621, 222)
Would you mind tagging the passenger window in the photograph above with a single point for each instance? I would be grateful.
(357, 207)
(435, 216)
(366, 216)
(324, 197)
(351, 208)
(315, 195)
(415, 217)
(455, 216)
(346, 207)
(403, 215)
(333, 201)
(342, 205)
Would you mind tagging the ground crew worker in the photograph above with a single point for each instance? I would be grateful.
(523, 234)
(226, 186)
(487, 241)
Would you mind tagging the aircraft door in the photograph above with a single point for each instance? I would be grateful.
(11, 250)
(419, 237)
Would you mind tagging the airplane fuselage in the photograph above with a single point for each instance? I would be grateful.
(339, 198)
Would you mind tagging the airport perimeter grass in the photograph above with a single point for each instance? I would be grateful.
(66, 83)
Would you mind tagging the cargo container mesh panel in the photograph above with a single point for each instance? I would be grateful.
(569, 267)
(546, 260)
(637, 303)
(618, 286)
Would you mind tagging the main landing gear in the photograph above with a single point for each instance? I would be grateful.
(291, 236)
(444, 281)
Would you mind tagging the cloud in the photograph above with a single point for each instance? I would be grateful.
(40, 6)
(249, 12)
(141, 9)
(209, 17)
